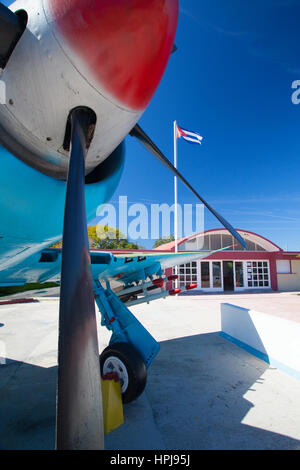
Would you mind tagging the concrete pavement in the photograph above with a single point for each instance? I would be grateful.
(202, 391)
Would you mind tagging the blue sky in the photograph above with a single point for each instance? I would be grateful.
(231, 81)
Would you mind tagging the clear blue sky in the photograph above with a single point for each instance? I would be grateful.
(230, 80)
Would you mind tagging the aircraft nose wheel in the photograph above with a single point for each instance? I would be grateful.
(127, 362)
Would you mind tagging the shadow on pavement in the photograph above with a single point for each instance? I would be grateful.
(194, 397)
(196, 389)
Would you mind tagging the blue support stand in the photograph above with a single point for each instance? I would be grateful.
(116, 317)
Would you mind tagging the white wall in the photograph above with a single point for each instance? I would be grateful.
(276, 340)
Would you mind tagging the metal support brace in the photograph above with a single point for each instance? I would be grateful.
(116, 317)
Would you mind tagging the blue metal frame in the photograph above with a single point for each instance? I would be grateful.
(116, 317)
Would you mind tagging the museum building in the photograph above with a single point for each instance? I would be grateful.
(263, 266)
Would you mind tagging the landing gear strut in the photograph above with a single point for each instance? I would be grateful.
(131, 349)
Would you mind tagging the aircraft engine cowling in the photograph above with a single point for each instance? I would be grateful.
(103, 55)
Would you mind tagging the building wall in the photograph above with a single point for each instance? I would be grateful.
(274, 278)
(261, 261)
(290, 282)
(282, 275)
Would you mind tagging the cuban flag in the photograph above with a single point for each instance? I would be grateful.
(189, 136)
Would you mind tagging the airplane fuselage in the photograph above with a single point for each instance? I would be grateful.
(98, 54)
(107, 56)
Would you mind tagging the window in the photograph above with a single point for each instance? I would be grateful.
(227, 240)
(191, 245)
(187, 274)
(239, 274)
(259, 248)
(283, 266)
(203, 243)
(251, 245)
(258, 274)
(238, 246)
(215, 242)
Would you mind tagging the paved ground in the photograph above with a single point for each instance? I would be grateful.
(202, 391)
(282, 304)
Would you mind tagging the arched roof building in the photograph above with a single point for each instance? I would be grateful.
(264, 266)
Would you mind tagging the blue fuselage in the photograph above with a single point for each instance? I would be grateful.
(32, 210)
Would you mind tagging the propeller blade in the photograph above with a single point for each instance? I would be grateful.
(11, 29)
(79, 399)
(147, 142)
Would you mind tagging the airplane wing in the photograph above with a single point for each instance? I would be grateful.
(122, 269)
(132, 267)
(138, 278)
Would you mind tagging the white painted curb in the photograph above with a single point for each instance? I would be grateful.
(273, 339)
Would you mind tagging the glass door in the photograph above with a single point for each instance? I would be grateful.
(228, 275)
(205, 275)
(211, 275)
(239, 274)
(216, 275)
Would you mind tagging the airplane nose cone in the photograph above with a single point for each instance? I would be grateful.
(125, 44)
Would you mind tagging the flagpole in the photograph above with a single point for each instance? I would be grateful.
(175, 190)
(175, 200)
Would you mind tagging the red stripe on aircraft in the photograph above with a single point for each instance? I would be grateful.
(125, 43)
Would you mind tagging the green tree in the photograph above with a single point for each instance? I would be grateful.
(109, 238)
(162, 241)
(106, 238)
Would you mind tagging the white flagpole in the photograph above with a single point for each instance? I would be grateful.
(175, 200)
(175, 190)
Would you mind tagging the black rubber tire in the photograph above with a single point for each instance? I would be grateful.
(135, 367)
